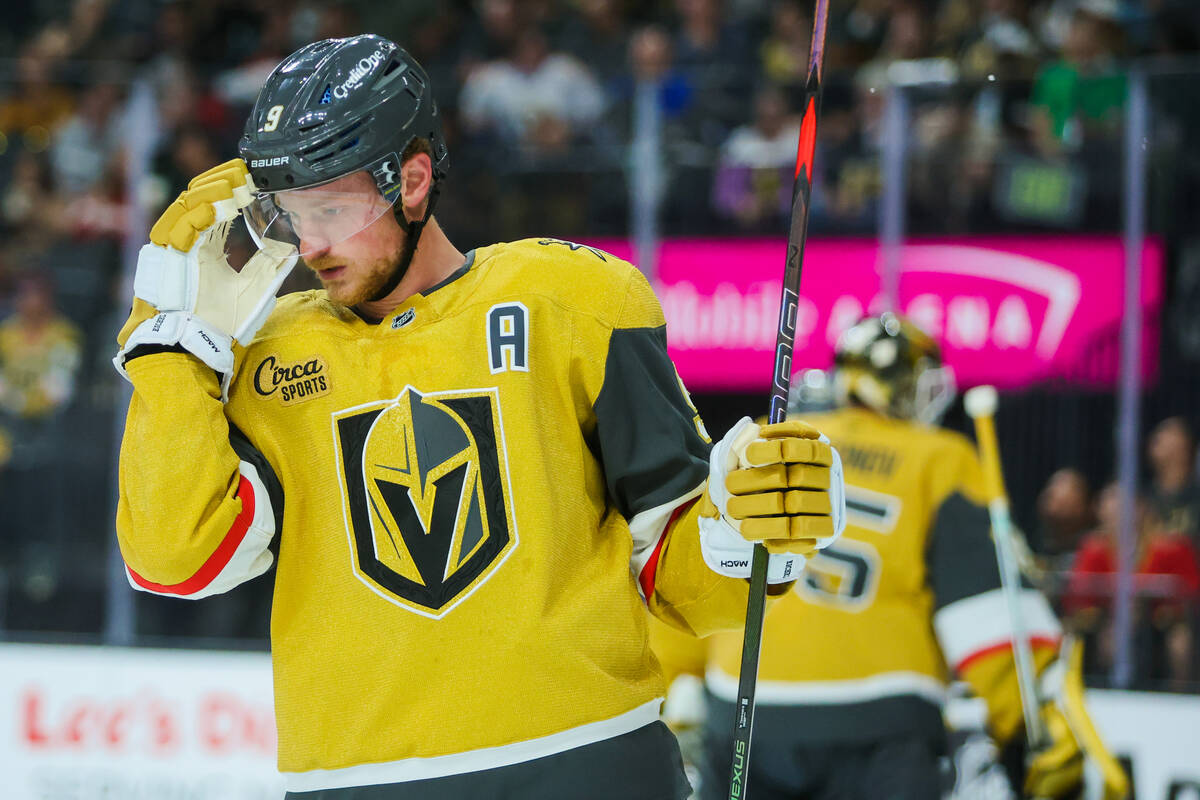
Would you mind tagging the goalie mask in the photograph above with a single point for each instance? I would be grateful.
(325, 139)
(888, 364)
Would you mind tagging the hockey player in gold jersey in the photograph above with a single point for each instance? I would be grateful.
(472, 471)
(855, 661)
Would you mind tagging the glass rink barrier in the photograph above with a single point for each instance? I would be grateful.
(1050, 245)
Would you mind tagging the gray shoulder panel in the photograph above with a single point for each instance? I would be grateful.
(646, 434)
(960, 554)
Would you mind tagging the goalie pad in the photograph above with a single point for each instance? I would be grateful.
(1076, 749)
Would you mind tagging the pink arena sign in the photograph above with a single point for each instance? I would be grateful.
(1011, 311)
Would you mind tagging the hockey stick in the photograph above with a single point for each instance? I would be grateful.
(780, 385)
(980, 404)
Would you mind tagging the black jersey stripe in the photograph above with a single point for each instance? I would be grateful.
(646, 433)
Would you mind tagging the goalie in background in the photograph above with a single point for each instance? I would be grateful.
(856, 660)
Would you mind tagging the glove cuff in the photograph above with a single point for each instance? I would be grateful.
(727, 553)
(189, 332)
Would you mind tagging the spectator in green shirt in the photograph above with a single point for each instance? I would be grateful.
(1082, 93)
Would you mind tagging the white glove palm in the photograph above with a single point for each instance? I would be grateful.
(204, 303)
(184, 267)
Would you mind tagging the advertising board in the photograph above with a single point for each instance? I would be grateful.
(1011, 311)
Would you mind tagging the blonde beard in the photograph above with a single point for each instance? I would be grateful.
(364, 289)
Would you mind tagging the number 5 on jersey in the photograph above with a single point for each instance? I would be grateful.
(846, 574)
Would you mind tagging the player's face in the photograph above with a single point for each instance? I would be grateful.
(353, 265)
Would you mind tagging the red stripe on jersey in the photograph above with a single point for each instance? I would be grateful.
(211, 568)
(1034, 642)
(646, 578)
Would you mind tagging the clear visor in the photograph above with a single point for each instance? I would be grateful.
(314, 220)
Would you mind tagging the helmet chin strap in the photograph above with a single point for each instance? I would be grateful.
(413, 234)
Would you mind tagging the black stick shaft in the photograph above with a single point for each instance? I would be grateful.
(780, 385)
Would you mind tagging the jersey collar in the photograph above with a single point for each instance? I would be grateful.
(420, 301)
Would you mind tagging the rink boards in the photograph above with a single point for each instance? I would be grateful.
(85, 723)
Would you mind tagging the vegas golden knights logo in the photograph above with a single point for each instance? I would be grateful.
(426, 495)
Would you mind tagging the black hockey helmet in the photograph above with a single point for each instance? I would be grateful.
(331, 110)
(338, 106)
(888, 364)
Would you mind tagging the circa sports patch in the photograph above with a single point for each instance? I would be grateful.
(291, 382)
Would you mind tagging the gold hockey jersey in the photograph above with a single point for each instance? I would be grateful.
(864, 644)
(474, 499)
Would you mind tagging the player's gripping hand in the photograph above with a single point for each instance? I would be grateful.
(777, 484)
(1057, 771)
(202, 303)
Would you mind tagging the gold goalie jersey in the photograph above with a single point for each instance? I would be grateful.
(863, 645)
(474, 497)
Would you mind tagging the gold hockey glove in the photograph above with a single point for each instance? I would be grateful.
(1058, 770)
(202, 303)
(777, 484)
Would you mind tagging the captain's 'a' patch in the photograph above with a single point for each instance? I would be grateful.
(426, 493)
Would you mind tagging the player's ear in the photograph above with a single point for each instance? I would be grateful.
(416, 176)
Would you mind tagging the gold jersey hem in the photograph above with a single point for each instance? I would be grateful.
(413, 769)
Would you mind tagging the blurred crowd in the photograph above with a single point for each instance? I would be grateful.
(1078, 548)
(107, 109)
